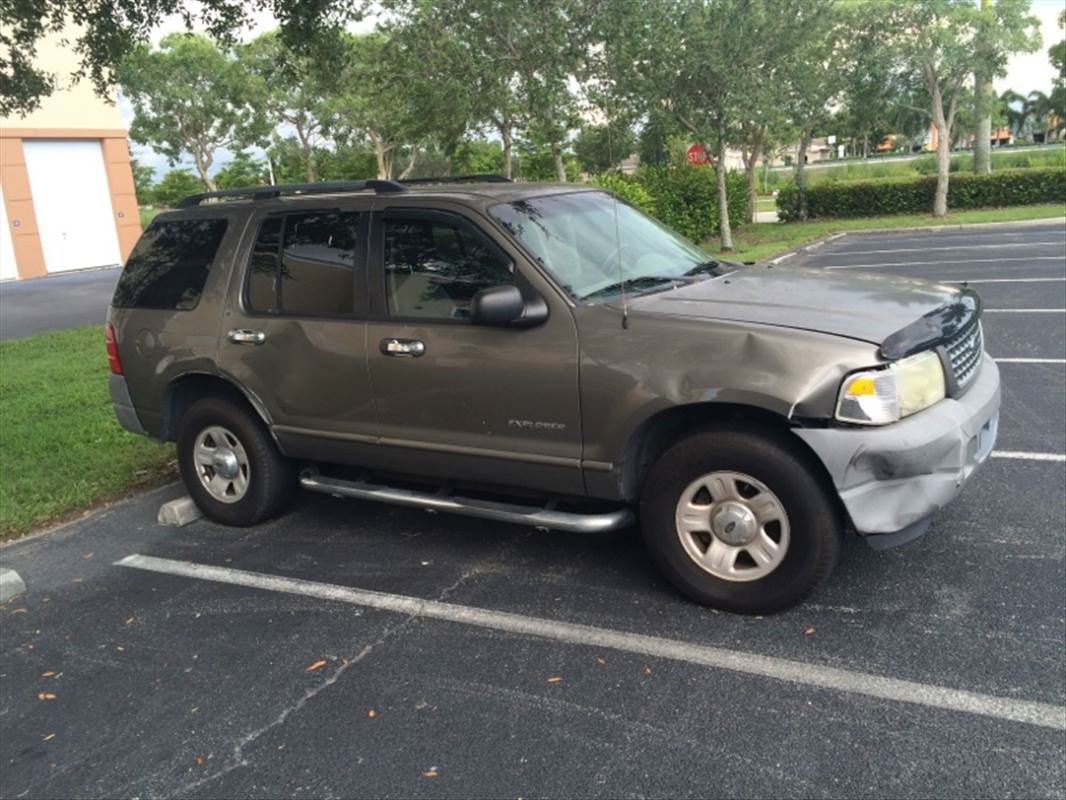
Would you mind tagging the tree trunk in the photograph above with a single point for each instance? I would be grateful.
(801, 171)
(203, 164)
(751, 161)
(983, 94)
(943, 167)
(865, 147)
(505, 135)
(383, 156)
(724, 231)
(560, 165)
(411, 158)
(982, 145)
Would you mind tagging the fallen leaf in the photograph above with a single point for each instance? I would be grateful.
(18, 611)
(808, 631)
(371, 713)
(49, 737)
(430, 773)
(199, 760)
(317, 665)
(555, 679)
(87, 556)
(120, 648)
(77, 580)
(48, 674)
(46, 696)
(129, 621)
(647, 670)
(601, 661)
(194, 709)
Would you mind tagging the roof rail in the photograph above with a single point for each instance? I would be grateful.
(286, 189)
(484, 178)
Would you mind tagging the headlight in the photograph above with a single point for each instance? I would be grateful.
(880, 396)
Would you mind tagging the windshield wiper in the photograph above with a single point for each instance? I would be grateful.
(639, 284)
(709, 266)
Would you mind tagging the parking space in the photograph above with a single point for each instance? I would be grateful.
(558, 664)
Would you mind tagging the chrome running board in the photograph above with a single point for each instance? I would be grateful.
(538, 517)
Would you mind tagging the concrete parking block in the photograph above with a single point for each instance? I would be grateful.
(179, 512)
(11, 585)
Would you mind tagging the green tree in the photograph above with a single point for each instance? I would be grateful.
(190, 98)
(935, 42)
(707, 64)
(599, 148)
(175, 185)
(108, 32)
(295, 88)
(984, 96)
(477, 157)
(1057, 99)
(242, 170)
(143, 182)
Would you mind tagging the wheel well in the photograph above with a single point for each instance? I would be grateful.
(186, 390)
(660, 432)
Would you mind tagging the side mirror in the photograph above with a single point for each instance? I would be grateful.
(504, 306)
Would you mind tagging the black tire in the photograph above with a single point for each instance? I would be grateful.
(813, 516)
(271, 478)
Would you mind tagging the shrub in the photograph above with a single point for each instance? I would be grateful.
(686, 198)
(628, 189)
(915, 195)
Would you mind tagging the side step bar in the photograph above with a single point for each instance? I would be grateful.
(538, 517)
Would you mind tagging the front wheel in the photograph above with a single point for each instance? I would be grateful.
(230, 465)
(739, 521)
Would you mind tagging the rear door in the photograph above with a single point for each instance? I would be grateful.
(491, 404)
(294, 331)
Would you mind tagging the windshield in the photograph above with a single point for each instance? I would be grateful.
(591, 243)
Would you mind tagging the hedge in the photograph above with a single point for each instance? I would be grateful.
(915, 195)
(682, 198)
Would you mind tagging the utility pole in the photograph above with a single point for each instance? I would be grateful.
(984, 97)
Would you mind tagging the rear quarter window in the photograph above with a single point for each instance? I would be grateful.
(168, 267)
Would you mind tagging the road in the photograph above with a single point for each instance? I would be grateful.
(465, 658)
(55, 302)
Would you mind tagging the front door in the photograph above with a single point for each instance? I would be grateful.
(294, 335)
(491, 404)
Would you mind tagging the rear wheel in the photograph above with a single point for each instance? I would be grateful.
(738, 520)
(230, 466)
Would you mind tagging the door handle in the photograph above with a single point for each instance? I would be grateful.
(403, 348)
(244, 336)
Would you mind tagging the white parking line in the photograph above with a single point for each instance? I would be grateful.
(1030, 360)
(1024, 311)
(935, 263)
(1012, 245)
(1024, 456)
(1012, 280)
(841, 680)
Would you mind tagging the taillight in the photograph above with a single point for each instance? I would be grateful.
(113, 360)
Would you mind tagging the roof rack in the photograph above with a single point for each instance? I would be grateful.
(483, 178)
(257, 193)
(287, 189)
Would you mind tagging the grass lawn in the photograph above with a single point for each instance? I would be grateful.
(61, 450)
(762, 240)
(147, 214)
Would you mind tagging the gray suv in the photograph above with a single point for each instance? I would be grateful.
(548, 355)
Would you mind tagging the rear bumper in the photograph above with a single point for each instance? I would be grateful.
(123, 405)
(892, 479)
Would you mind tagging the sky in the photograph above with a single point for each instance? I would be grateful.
(1025, 72)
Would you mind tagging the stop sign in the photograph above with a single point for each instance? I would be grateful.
(697, 155)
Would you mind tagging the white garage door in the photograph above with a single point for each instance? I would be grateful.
(72, 203)
(7, 252)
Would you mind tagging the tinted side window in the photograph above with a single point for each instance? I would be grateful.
(305, 264)
(168, 267)
(434, 268)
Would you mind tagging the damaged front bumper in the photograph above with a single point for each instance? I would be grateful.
(892, 479)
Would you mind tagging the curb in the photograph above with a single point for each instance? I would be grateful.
(814, 244)
(11, 584)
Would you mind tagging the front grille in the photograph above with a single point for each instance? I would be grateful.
(964, 353)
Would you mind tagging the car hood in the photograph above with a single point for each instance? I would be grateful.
(866, 307)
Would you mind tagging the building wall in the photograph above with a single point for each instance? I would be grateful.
(73, 111)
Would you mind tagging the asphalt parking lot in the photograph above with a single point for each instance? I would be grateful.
(353, 649)
(55, 302)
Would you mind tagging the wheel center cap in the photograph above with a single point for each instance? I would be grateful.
(225, 463)
(734, 523)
